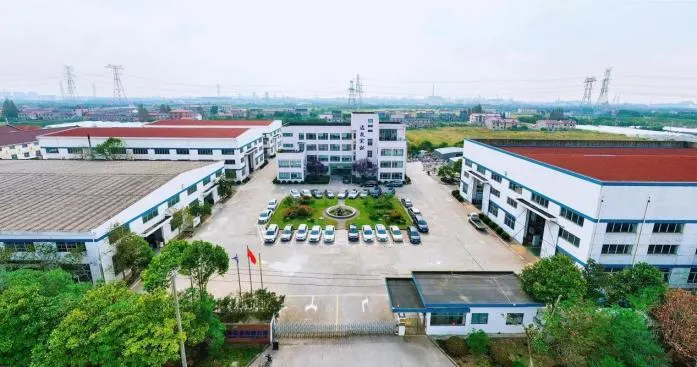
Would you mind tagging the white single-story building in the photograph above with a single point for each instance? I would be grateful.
(74, 205)
(460, 302)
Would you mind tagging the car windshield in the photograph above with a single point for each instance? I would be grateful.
(264, 214)
(314, 231)
(367, 231)
(381, 231)
(353, 230)
(270, 231)
(329, 231)
(286, 231)
(302, 230)
(396, 231)
(422, 222)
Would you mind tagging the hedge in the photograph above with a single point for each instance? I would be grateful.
(495, 227)
(308, 180)
(456, 194)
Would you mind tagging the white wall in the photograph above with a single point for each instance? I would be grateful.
(21, 151)
(496, 322)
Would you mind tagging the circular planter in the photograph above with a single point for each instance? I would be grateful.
(348, 212)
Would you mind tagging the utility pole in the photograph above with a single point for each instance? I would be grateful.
(603, 97)
(182, 350)
(588, 90)
(119, 92)
(359, 90)
(70, 81)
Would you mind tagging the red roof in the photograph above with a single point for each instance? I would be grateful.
(158, 132)
(11, 135)
(620, 164)
(213, 122)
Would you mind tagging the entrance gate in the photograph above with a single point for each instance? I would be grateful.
(319, 330)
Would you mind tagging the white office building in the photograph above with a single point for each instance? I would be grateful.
(241, 149)
(339, 145)
(615, 202)
(72, 206)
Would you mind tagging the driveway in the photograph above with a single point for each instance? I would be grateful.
(389, 351)
(344, 282)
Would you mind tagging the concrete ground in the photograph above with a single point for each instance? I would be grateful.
(416, 351)
(344, 282)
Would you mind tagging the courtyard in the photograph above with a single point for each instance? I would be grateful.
(344, 282)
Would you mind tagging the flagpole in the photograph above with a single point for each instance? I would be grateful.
(249, 267)
(261, 277)
(239, 280)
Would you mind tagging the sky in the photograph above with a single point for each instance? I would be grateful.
(523, 49)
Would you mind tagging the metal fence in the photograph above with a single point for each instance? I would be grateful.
(315, 330)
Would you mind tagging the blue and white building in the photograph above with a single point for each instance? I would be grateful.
(615, 202)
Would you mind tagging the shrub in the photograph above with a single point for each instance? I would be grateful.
(505, 236)
(275, 181)
(552, 277)
(313, 179)
(504, 352)
(395, 216)
(478, 342)
(207, 209)
(299, 211)
(456, 195)
(455, 347)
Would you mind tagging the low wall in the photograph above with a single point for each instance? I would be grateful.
(247, 333)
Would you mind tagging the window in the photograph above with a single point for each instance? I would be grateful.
(370, 154)
(205, 151)
(311, 147)
(495, 192)
(496, 177)
(493, 209)
(19, 246)
(468, 163)
(229, 161)
(612, 249)
(140, 150)
(149, 215)
(540, 199)
(206, 181)
(284, 175)
(301, 136)
(370, 142)
(324, 158)
(68, 246)
(311, 136)
(620, 227)
(515, 187)
(511, 202)
(384, 175)
(161, 151)
(464, 187)
(323, 147)
(385, 164)
(662, 250)
(514, 318)
(335, 147)
(570, 238)
(118, 150)
(692, 277)
(481, 169)
(287, 135)
(398, 152)
(666, 273)
(75, 150)
(346, 147)
(387, 135)
(346, 136)
(667, 228)
(51, 150)
(191, 189)
(227, 151)
(447, 319)
(509, 221)
(480, 318)
(386, 152)
(572, 216)
(334, 136)
(174, 200)
(322, 136)
(335, 158)
(288, 146)
(346, 158)
(397, 176)
(26, 155)
(182, 151)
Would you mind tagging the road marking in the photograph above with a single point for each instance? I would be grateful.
(364, 303)
(312, 305)
(337, 310)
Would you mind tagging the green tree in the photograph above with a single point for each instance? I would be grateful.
(477, 109)
(597, 280)
(143, 113)
(677, 322)
(165, 108)
(553, 277)
(201, 260)
(32, 303)
(557, 113)
(158, 273)
(214, 110)
(114, 326)
(10, 110)
(639, 284)
(363, 167)
(132, 252)
(225, 187)
(206, 333)
(109, 149)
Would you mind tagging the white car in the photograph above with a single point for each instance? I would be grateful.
(352, 194)
(396, 234)
(367, 233)
(414, 210)
(306, 193)
(329, 234)
(271, 233)
(264, 216)
(295, 194)
(272, 204)
(330, 194)
(301, 233)
(287, 233)
(342, 194)
(381, 233)
(364, 193)
(315, 233)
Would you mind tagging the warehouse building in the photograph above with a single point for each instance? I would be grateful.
(459, 303)
(339, 145)
(21, 142)
(241, 149)
(615, 202)
(72, 206)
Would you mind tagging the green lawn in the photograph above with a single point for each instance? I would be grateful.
(243, 354)
(318, 216)
(365, 207)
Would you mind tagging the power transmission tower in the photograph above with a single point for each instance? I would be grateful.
(588, 90)
(94, 91)
(60, 83)
(70, 81)
(119, 92)
(603, 97)
(352, 94)
(359, 90)
(217, 87)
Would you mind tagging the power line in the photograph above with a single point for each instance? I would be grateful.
(119, 91)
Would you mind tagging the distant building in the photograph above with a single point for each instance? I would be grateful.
(448, 152)
(181, 114)
(17, 142)
(480, 118)
(555, 124)
(500, 123)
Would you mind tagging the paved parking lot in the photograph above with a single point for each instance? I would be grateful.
(345, 281)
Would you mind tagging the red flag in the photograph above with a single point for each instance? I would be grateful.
(251, 256)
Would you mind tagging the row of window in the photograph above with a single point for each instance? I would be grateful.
(625, 249)
(321, 136)
(452, 319)
(285, 163)
(61, 246)
(391, 176)
(157, 151)
(569, 237)
(391, 152)
(174, 200)
(391, 164)
(290, 175)
(327, 147)
(627, 227)
(333, 158)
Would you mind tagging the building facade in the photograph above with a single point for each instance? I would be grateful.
(553, 125)
(19, 143)
(339, 145)
(72, 207)
(618, 203)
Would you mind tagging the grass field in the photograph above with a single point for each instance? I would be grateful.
(364, 207)
(243, 354)
(318, 216)
(454, 136)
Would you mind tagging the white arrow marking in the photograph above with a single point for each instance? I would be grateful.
(364, 303)
(312, 306)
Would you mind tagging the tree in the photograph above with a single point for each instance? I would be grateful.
(143, 113)
(10, 110)
(110, 148)
(32, 303)
(260, 305)
(557, 113)
(553, 277)
(158, 273)
(315, 168)
(214, 110)
(426, 145)
(634, 284)
(132, 252)
(114, 326)
(677, 323)
(597, 280)
(225, 187)
(165, 108)
(206, 331)
(202, 259)
(477, 109)
(365, 168)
